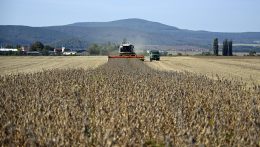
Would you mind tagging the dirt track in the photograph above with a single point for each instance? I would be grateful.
(237, 68)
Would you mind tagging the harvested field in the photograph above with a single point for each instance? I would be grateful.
(246, 69)
(29, 64)
(126, 103)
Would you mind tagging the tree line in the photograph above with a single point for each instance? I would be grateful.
(227, 49)
(36, 46)
(103, 49)
(93, 49)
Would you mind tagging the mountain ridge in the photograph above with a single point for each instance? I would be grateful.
(138, 31)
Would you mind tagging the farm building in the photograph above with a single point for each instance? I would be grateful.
(8, 49)
(64, 51)
(59, 50)
(25, 48)
(33, 53)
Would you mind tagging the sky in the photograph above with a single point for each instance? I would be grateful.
(208, 15)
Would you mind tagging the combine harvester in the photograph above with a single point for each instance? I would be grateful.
(126, 50)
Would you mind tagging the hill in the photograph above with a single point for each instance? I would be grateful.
(138, 31)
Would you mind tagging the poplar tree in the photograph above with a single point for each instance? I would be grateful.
(225, 48)
(230, 48)
(215, 46)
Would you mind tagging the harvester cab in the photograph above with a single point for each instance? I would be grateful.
(126, 50)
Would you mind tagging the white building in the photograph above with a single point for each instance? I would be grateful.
(8, 49)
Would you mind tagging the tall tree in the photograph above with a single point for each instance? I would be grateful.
(215, 46)
(48, 48)
(230, 48)
(9, 46)
(94, 49)
(225, 48)
(37, 46)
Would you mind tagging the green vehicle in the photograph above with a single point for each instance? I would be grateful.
(154, 55)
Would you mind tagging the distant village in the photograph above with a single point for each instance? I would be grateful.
(39, 49)
(25, 50)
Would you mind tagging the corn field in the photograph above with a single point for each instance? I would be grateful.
(126, 103)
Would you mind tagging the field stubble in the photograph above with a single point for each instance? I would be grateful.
(246, 69)
(32, 64)
(125, 102)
